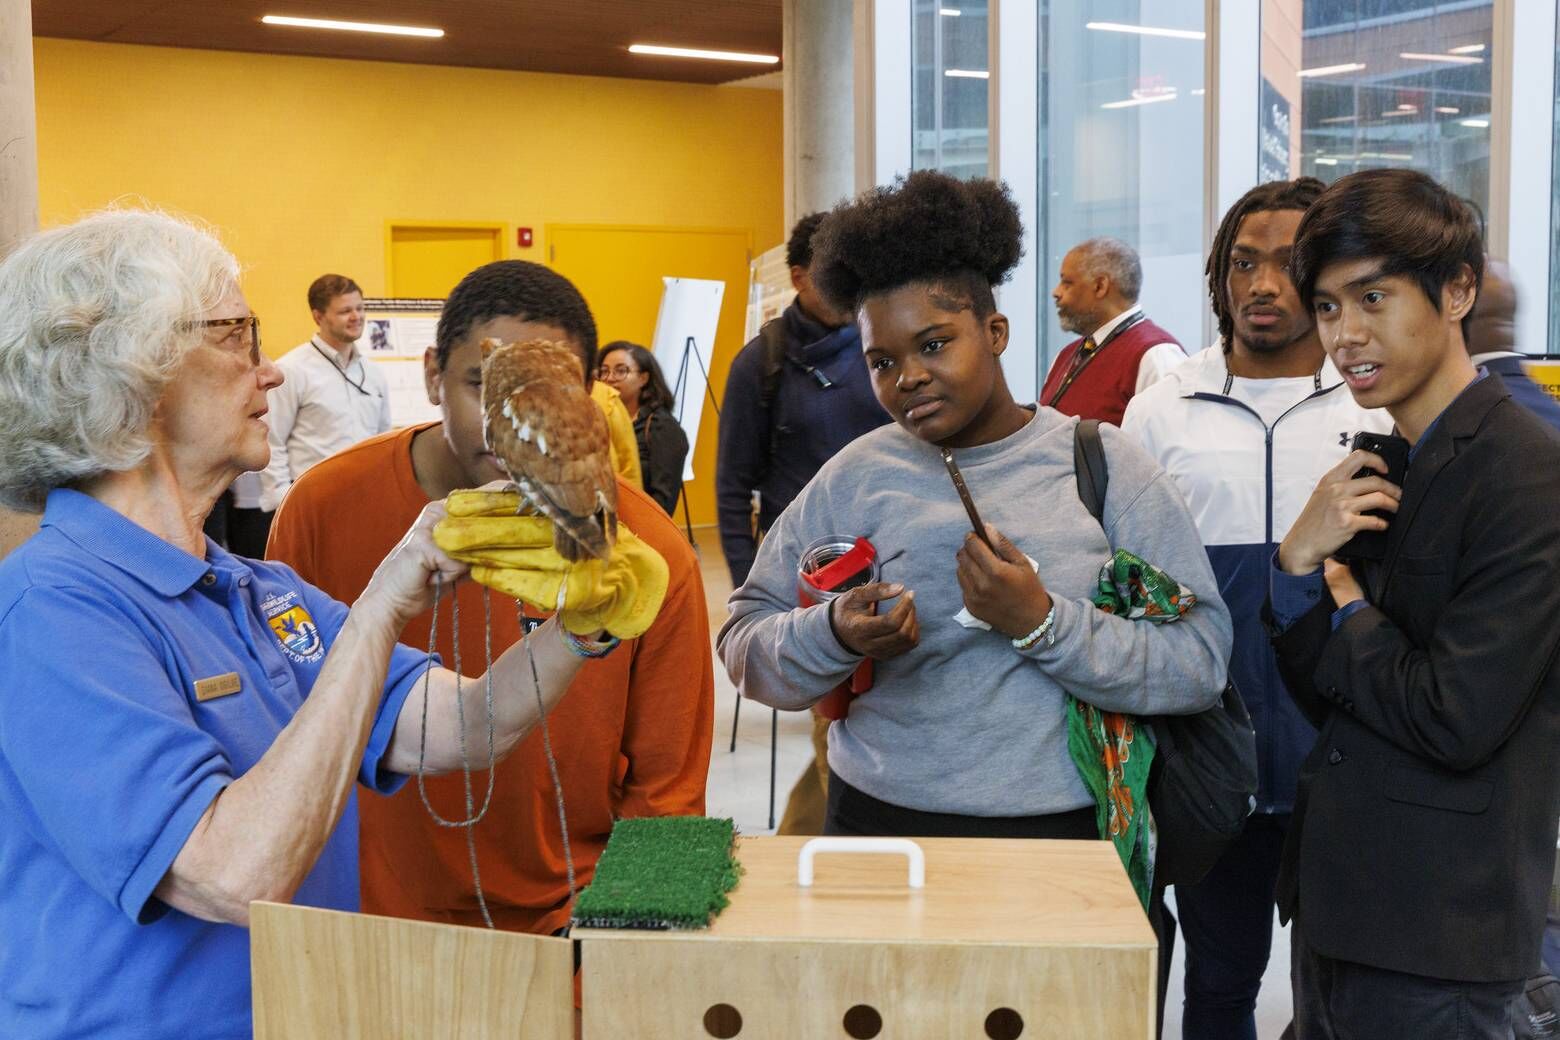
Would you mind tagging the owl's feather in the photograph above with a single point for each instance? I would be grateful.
(552, 441)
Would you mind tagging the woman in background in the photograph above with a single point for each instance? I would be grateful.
(632, 371)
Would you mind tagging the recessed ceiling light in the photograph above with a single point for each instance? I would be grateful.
(1320, 161)
(366, 27)
(691, 52)
(1447, 110)
(949, 12)
(1146, 30)
(968, 73)
(1467, 48)
(1339, 119)
(1477, 124)
(1450, 59)
(1331, 70)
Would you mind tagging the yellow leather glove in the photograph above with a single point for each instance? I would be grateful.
(514, 555)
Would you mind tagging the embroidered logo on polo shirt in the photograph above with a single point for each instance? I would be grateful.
(296, 632)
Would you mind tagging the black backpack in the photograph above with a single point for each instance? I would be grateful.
(1203, 783)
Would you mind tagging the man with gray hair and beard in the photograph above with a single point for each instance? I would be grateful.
(1096, 297)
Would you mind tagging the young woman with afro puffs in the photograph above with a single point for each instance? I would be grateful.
(964, 732)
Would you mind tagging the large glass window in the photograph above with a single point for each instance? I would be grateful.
(1367, 83)
(1121, 149)
(951, 73)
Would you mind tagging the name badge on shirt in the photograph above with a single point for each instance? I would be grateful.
(217, 686)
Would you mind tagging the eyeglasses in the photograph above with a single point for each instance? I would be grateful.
(616, 372)
(250, 337)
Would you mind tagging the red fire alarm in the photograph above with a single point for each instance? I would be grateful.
(523, 237)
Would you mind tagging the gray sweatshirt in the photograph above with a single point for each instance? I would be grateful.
(964, 723)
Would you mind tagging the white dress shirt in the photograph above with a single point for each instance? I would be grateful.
(1156, 361)
(322, 407)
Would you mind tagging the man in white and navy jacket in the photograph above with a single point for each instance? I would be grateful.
(1245, 429)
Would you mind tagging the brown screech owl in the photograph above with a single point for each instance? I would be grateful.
(552, 441)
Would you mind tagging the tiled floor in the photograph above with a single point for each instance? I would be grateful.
(739, 787)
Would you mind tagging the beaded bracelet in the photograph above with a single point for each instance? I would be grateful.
(1045, 630)
(579, 646)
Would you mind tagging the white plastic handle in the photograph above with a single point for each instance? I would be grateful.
(880, 846)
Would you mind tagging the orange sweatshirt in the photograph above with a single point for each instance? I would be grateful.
(631, 736)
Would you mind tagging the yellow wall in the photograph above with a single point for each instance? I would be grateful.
(301, 162)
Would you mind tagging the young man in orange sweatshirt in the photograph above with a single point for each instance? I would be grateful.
(632, 735)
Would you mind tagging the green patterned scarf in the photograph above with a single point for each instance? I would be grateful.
(1113, 752)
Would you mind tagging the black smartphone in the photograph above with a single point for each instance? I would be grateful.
(1372, 545)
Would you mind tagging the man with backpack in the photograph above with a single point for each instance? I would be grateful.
(1245, 429)
(796, 395)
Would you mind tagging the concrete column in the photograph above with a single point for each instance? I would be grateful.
(18, 176)
(820, 114)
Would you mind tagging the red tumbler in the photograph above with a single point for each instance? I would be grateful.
(829, 568)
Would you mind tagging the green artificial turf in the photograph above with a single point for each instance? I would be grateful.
(661, 873)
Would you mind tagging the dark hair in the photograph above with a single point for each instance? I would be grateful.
(327, 287)
(963, 236)
(1402, 218)
(655, 394)
(1297, 194)
(798, 249)
(516, 289)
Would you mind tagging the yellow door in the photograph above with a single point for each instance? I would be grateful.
(426, 260)
(619, 272)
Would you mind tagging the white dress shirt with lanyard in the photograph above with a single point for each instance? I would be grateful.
(1156, 361)
(324, 406)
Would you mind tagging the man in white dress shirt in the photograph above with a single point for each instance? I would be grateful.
(331, 398)
(1121, 352)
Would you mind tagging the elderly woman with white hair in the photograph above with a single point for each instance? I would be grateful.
(181, 730)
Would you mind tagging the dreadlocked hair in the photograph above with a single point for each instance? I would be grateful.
(963, 237)
(1297, 194)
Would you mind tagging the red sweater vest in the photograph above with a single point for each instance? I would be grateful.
(1107, 381)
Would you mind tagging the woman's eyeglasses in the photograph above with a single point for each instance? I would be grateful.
(250, 337)
(616, 372)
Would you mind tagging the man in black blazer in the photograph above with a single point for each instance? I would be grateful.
(1418, 863)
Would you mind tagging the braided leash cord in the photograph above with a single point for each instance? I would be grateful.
(552, 761)
(472, 818)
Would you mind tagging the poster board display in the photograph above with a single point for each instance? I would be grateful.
(684, 345)
(769, 289)
(395, 335)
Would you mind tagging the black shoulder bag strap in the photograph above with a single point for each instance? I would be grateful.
(1089, 466)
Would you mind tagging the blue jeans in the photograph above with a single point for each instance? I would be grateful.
(1227, 921)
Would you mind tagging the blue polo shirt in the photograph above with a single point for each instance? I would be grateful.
(136, 682)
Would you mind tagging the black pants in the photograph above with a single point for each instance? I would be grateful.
(854, 812)
(1227, 922)
(1338, 1000)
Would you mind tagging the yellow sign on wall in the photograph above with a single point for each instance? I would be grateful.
(1546, 374)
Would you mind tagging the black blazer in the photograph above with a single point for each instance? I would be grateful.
(1423, 837)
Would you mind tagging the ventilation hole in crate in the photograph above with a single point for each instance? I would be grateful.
(1004, 1024)
(862, 1022)
(722, 1021)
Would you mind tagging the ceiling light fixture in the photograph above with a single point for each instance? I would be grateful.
(1331, 70)
(967, 73)
(949, 12)
(1146, 30)
(1339, 119)
(1447, 110)
(1449, 59)
(1477, 124)
(1146, 99)
(1467, 48)
(691, 52)
(1326, 162)
(366, 27)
